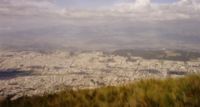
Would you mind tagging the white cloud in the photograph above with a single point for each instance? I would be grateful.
(26, 7)
(133, 9)
(142, 3)
(145, 9)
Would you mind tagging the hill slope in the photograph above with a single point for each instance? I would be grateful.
(171, 92)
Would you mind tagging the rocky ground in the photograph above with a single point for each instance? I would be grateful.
(35, 73)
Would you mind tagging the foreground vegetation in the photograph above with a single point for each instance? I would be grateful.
(179, 92)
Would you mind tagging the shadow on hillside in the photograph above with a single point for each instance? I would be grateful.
(13, 73)
(151, 71)
(176, 73)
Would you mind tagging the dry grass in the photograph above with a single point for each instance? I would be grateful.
(179, 92)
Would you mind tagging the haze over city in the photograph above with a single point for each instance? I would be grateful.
(99, 24)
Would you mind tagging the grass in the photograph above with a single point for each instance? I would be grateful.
(171, 92)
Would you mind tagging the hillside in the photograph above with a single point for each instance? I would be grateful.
(171, 92)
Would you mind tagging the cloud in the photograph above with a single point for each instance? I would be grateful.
(142, 10)
(133, 9)
(142, 3)
(146, 9)
(26, 7)
(192, 4)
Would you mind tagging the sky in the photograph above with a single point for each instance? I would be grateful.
(98, 3)
(100, 24)
(165, 9)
